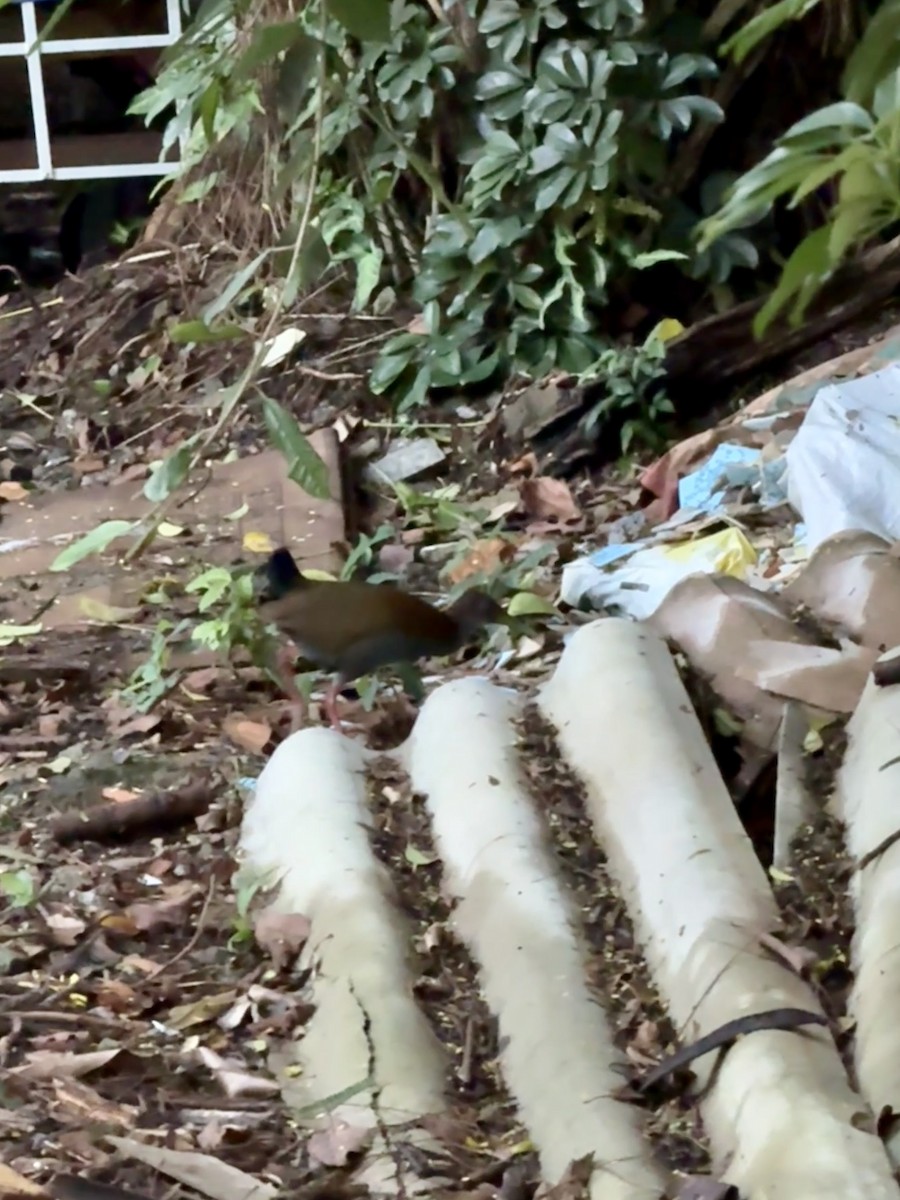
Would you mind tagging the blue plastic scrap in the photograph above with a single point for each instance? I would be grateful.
(610, 554)
(730, 466)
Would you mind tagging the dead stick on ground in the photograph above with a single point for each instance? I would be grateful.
(104, 822)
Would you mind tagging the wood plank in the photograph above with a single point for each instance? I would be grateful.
(82, 150)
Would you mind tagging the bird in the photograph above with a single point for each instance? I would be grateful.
(352, 627)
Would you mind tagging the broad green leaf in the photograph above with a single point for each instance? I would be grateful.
(92, 543)
(295, 77)
(851, 226)
(233, 288)
(197, 333)
(368, 276)
(807, 266)
(367, 20)
(170, 474)
(214, 583)
(18, 887)
(305, 467)
(411, 678)
(840, 163)
(16, 633)
(486, 241)
(529, 604)
(267, 43)
(683, 67)
(387, 371)
(552, 189)
(494, 84)
(419, 858)
(876, 54)
(841, 116)
(772, 17)
(207, 108)
(651, 257)
(886, 101)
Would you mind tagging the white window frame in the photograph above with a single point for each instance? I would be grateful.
(32, 52)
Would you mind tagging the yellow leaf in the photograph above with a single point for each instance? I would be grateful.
(258, 543)
(13, 633)
(666, 329)
(167, 530)
(249, 735)
(315, 573)
(107, 614)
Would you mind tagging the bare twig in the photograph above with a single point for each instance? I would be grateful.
(195, 936)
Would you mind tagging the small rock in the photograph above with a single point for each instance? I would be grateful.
(406, 458)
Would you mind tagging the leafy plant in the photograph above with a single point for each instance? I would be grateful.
(631, 377)
(772, 18)
(504, 180)
(731, 251)
(847, 154)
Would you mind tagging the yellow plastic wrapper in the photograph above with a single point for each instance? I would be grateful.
(727, 552)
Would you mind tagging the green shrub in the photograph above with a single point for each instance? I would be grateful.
(848, 150)
(504, 170)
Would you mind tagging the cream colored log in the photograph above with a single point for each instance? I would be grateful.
(867, 802)
(516, 920)
(781, 1116)
(307, 824)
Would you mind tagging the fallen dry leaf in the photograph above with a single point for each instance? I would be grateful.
(48, 725)
(116, 996)
(526, 465)
(118, 795)
(249, 735)
(336, 1143)
(233, 1078)
(484, 558)
(45, 1064)
(88, 466)
(81, 1101)
(395, 557)
(14, 1184)
(549, 499)
(573, 1184)
(135, 471)
(120, 923)
(206, 1009)
(281, 935)
(202, 1172)
(11, 490)
(66, 929)
(212, 1136)
(122, 719)
(169, 910)
(201, 679)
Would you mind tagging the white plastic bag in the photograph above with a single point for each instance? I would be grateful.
(844, 462)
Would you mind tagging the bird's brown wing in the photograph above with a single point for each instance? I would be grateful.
(355, 627)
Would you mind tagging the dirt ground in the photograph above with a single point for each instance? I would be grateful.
(135, 1001)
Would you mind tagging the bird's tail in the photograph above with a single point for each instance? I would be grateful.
(281, 574)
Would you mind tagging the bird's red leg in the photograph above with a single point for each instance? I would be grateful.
(330, 704)
(284, 661)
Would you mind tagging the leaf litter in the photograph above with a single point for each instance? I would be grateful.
(136, 1009)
